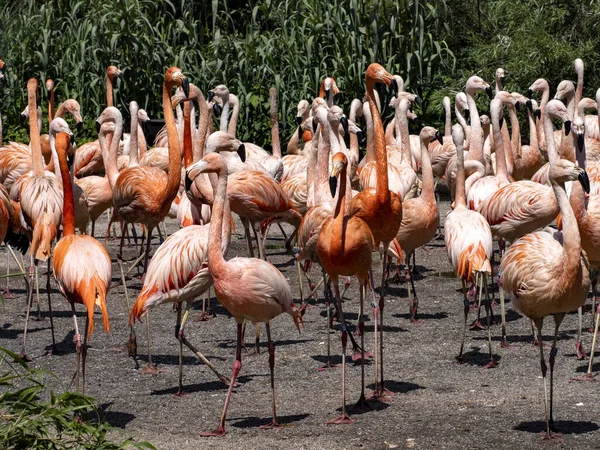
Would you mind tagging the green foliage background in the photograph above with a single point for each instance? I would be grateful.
(250, 46)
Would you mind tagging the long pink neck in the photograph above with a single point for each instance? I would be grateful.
(549, 133)
(496, 111)
(68, 219)
(276, 145)
(381, 189)
(460, 197)
(427, 173)
(109, 91)
(533, 134)
(354, 150)
(311, 168)
(476, 138)
(322, 172)
(448, 122)
(216, 262)
(335, 139)
(402, 119)
(188, 154)
(51, 113)
(461, 120)
(232, 127)
(34, 133)
(174, 175)
(110, 155)
(570, 229)
(133, 135)
(371, 153)
(340, 205)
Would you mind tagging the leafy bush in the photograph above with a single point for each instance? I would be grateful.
(27, 422)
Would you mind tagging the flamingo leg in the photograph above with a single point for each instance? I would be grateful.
(503, 343)
(588, 375)
(259, 241)
(382, 392)
(375, 335)
(466, 314)
(132, 342)
(578, 345)
(413, 299)
(248, 238)
(343, 418)
(274, 423)
(77, 347)
(488, 308)
(93, 227)
(84, 348)
(53, 349)
(29, 301)
(362, 404)
(37, 293)
(220, 431)
(558, 318)
(178, 331)
(257, 340)
(226, 381)
(538, 324)
(477, 325)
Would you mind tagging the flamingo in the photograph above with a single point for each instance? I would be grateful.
(41, 202)
(468, 241)
(251, 289)
(420, 217)
(344, 247)
(81, 265)
(294, 144)
(378, 207)
(547, 273)
(143, 194)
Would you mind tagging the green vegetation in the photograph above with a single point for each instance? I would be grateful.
(250, 46)
(60, 422)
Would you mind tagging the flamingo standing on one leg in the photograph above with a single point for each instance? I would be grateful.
(378, 207)
(81, 265)
(547, 274)
(251, 289)
(468, 240)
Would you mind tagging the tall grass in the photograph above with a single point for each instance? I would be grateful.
(250, 46)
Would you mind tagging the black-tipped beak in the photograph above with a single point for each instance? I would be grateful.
(70, 161)
(211, 95)
(344, 122)
(188, 181)
(394, 86)
(567, 127)
(439, 137)
(23, 118)
(315, 126)
(120, 75)
(518, 106)
(327, 91)
(488, 91)
(242, 152)
(146, 127)
(538, 114)
(185, 85)
(580, 142)
(300, 134)
(79, 126)
(72, 137)
(359, 135)
(332, 185)
(298, 120)
(217, 109)
(98, 127)
(585, 181)
(529, 94)
(48, 95)
(529, 105)
(502, 82)
(418, 100)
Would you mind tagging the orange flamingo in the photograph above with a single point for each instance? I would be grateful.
(548, 274)
(81, 265)
(41, 202)
(378, 207)
(251, 289)
(468, 241)
(344, 248)
(143, 194)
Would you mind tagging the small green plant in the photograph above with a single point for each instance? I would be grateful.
(63, 421)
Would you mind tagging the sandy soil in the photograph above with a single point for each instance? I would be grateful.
(438, 403)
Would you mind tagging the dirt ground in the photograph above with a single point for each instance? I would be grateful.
(439, 404)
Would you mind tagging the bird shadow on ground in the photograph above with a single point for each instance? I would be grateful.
(562, 426)
(114, 418)
(173, 360)
(255, 422)
(336, 360)
(423, 316)
(263, 345)
(476, 358)
(584, 368)
(399, 387)
(397, 291)
(207, 386)
(17, 333)
(375, 405)
(289, 263)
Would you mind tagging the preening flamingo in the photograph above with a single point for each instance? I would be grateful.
(468, 241)
(81, 265)
(378, 207)
(548, 274)
(251, 289)
(344, 247)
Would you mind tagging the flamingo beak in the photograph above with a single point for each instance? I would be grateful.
(584, 179)
(344, 122)
(439, 137)
(529, 105)
(394, 86)
(98, 125)
(529, 93)
(217, 109)
(332, 185)
(242, 152)
(502, 82)
(211, 95)
(185, 85)
(567, 127)
(580, 142)
(488, 91)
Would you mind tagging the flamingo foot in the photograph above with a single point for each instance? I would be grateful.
(505, 344)
(357, 355)
(53, 350)
(24, 357)
(202, 317)
(552, 437)
(270, 426)
(439, 237)
(460, 359)
(179, 393)
(362, 405)
(343, 419)
(382, 395)
(328, 366)
(580, 353)
(586, 377)
(416, 321)
(217, 433)
(151, 369)
(491, 364)
(8, 294)
(477, 326)
(536, 343)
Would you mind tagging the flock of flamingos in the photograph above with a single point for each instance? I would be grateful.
(342, 208)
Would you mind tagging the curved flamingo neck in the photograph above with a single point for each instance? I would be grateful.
(515, 133)
(381, 189)
(533, 132)
(371, 154)
(224, 119)
(68, 221)
(232, 127)
(461, 120)
(51, 113)
(570, 229)
(133, 136)
(110, 154)
(340, 205)
(427, 173)
(276, 145)
(501, 167)
(550, 144)
(460, 197)
(174, 175)
(109, 91)
(188, 155)
(579, 88)
(34, 132)
(354, 150)
(476, 138)
(448, 122)
(322, 172)
(216, 261)
(404, 133)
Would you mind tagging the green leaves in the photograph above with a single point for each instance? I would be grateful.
(61, 422)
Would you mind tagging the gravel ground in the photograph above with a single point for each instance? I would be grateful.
(438, 403)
